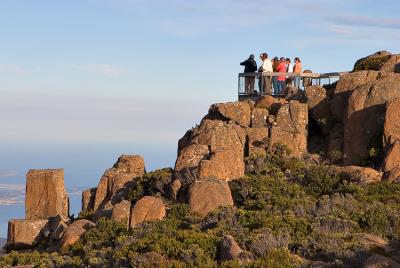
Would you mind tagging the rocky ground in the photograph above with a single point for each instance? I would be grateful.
(309, 180)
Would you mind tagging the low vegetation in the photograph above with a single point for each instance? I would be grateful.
(288, 213)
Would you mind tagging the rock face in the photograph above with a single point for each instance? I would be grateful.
(24, 233)
(365, 116)
(45, 194)
(392, 159)
(239, 112)
(292, 127)
(148, 208)
(88, 197)
(391, 129)
(208, 146)
(74, 232)
(229, 249)
(318, 103)
(259, 118)
(121, 212)
(207, 195)
(380, 61)
(116, 179)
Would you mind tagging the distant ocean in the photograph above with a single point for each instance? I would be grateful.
(83, 167)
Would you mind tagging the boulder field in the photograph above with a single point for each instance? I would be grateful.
(353, 126)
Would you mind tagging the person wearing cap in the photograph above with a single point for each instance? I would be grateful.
(250, 66)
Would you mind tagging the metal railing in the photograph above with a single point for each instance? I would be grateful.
(256, 86)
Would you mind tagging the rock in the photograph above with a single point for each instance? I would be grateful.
(372, 62)
(336, 140)
(224, 165)
(346, 84)
(74, 232)
(318, 104)
(238, 112)
(207, 145)
(259, 117)
(114, 184)
(88, 198)
(365, 118)
(258, 139)
(379, 261)
(392, 158)
(392, 64)
(270, 103)
(45, 194)
(175, 187)
(121, 212)
(391, 129)
(24, 233)
(358, 174)
(229, 249)
(148, 208)
(291, 127)
(393, 175)
(374, 243)
(207, 195)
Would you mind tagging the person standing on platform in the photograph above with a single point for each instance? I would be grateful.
(282, 78)
(289, 69)
(250, 66)
(265, 81)
(297, 69)
(275, 64)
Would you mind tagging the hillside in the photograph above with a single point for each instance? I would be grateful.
(309, 180)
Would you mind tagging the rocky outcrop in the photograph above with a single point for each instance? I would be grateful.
(379, 61)
(74, 232)
(257, 138)
(291, 127)
(148, 208)
(121, 212)
(365, 117)
(25, 233)
(229, 249)
(391, 129)
(217, 194)
(318, 103)
(114, 184)
(259, 118)
(392, 159)
(88, 198)
(238, 112)
(45, 194)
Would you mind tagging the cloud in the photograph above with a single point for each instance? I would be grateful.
(10, 68)
(366, 21)
(108, 70)
(12, 194)
(6, 174)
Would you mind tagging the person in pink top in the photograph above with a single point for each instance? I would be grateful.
(282, 78)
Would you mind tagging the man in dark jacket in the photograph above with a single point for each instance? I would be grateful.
(250, 66)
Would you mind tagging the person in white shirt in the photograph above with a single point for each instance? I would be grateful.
(265, 81)
(289, 69)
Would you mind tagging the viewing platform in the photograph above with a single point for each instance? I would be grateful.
(307, 79)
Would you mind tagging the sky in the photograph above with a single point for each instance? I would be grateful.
(84, 81)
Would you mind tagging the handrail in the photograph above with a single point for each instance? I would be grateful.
(309, 75)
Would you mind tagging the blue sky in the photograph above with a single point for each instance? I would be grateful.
(83, 81)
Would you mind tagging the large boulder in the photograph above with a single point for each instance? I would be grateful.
(115, 183)
(148, 208)
(372, 62)
(257, 141)
(391, 130)
(45, 194)
(121, 212)
(212, 143)
(318, 104)
(207, 195)
(291, 127)
(238, 112)
(74, 232)
(229, 249)
(88, 198)
(24, 233)
(365, 117)
(270, 103)
(392, 158)
(346, 84)
(358, 174)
